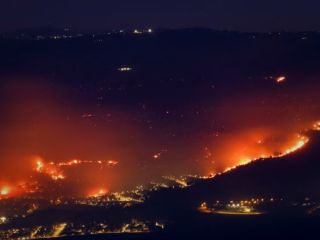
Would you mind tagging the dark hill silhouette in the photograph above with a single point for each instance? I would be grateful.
(294, 176)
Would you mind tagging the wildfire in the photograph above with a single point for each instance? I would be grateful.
(39, 166)
(109, 163)
(159, 154)
(156, 156)
(316, 126)
(54, 170)
(5, 190)
(250, 148)
(57, 177)
(277, 79)
(281, 79)
(48, 169)
(299, 143)
(98, 192)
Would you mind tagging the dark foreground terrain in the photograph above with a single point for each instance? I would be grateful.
(229, 227)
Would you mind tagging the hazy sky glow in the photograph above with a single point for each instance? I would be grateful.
(38, 124)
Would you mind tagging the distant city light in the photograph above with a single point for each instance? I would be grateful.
(125, 69)
(3, 219)
(136, 31)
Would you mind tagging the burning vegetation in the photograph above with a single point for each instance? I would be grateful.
(94, 151)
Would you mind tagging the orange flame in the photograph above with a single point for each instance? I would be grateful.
(98, 192)
(5, 190)
(48, 169)
(301, 142)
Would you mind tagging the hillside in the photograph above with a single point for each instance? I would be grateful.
(294, 176)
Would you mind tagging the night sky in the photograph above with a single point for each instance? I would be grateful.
(96, 15)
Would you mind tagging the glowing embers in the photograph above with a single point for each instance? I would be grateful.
(302, 140)
(98, 192)
(111, 163)
(298, 141)
(55, 170)
(49, 169)
(16, 188)
(159, 154)
(316, 126)
(5, 190)
(280, 79)
(39, 166)
(108, 163)
(182, 182)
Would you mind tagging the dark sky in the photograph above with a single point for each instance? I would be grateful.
(243, 15)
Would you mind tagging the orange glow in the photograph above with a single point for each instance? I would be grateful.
(39, 165)
(280, 79)
(55, 171)
(300, 142)
(74, 162)
(159, 154)
(98, 192)
(84, 151)
(316, 126)
(48, 169)
(245, 147)
(5, 190)
(112, 163)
